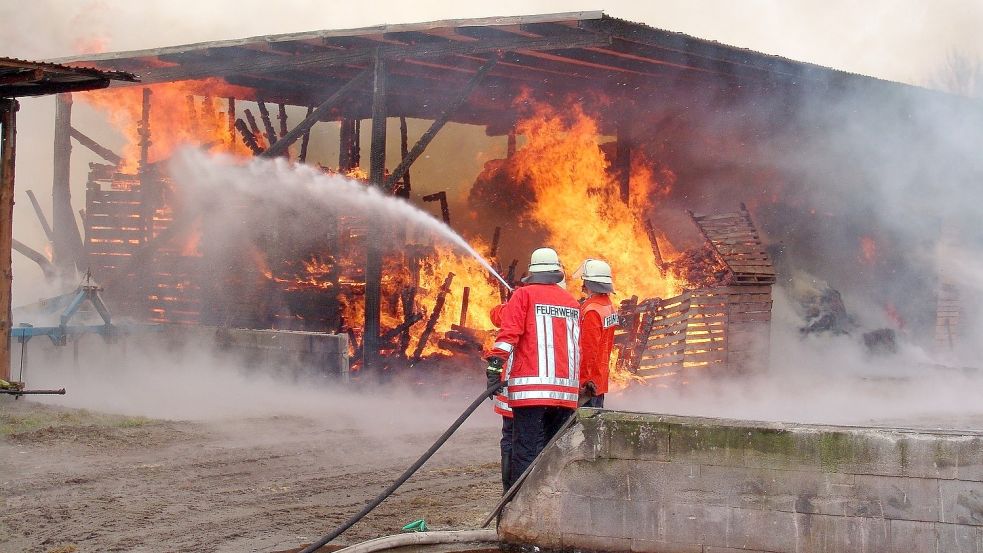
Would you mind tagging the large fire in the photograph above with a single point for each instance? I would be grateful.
(575, 201)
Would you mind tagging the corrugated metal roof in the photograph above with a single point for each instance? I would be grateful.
(37, 78)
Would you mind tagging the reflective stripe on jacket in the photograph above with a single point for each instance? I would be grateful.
(540, 328)
(597, 324)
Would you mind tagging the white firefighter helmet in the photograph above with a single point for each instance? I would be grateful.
(544, 267)
(596, 275)
(544, 260)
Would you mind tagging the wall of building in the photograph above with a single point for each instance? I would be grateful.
(620, 481)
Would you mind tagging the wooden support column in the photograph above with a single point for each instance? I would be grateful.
(67, 246)
(404, 191)
(623, 161)
(373, 254)
(8, 140)
(281, 145)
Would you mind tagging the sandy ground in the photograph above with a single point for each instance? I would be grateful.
(77, 480)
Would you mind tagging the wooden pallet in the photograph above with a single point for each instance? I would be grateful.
(735, 239)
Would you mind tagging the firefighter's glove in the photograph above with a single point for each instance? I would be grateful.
(494, 372)
(589, 390)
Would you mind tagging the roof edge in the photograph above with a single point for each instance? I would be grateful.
(328, 33)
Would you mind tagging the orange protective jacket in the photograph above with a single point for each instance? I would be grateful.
(598, 320)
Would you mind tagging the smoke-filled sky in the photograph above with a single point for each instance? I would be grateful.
(901, 40)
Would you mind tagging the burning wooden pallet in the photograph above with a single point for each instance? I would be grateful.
(724, 327)
(735, 239)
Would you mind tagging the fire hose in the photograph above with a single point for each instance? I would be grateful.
(406, 474)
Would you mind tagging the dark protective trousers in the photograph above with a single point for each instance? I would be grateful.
(506, 446)
(596, 402)
(532, 428)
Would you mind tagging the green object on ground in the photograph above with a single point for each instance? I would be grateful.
(416, 526)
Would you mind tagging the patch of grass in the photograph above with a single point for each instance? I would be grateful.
(34, 420)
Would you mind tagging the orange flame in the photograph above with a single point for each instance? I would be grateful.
(578, 200)
(181, 113)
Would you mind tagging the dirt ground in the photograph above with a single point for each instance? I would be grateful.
(78, 480)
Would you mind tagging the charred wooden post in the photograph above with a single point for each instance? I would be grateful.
(96, 148)
(445, 212)
(346, 137)
(193, 115)
(305, 141)
(373, 254)
(147, 192)
(510, 276)
(248, 138)
(494, 245)
(438, 307)
(510, 146)
(281, 116)
(410, 316)
(281, 145)
(41, 218)
(653, 240)
(231, 115)
(264, 113)
(67, 246)
(8, 140)
(438, 124)
(464, 305)
(623, 161)
(404, 190)
(253, 126)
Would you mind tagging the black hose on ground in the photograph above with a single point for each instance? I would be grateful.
(406, 474)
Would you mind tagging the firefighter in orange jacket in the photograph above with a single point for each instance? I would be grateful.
(598, 320)
(501, 403)
(541, 330)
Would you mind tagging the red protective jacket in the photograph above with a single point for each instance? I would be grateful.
(501, 401)
(541, 329)
(598, 319)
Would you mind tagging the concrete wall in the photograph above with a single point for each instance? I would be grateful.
(638, 482)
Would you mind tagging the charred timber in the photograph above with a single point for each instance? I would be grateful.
(231, 117)
(40, 213)
(280, 146)
(253, 126)
(438, 307)
(96, 148)
(464, 305)
(67, 245)
(305, 141)
(445, 212)
(495, 238)
(404, 190)
(49, 271)
(264, 114)
(373, 253)
(247, 137)
(438, 124)
(281, 116)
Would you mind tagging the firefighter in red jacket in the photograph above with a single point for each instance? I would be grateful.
(501, 403)
(598, 320)
(541, 330)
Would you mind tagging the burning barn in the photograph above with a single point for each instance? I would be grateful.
(695, 168)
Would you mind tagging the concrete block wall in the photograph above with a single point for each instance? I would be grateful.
(620, 481)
